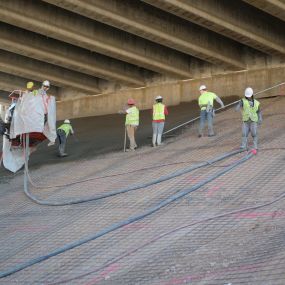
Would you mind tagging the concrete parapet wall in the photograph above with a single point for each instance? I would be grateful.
(174, 93)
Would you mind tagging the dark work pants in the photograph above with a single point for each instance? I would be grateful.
(62, 141)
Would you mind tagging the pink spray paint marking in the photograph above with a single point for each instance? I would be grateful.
(28, 229)
(191, 179)
(212, 190)
(134, 226)
(102, 276)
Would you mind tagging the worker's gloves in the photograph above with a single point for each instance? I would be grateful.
(50, 143)
(222, 106)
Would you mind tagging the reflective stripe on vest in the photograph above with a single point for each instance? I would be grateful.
(158, 112)
(66, 128)
(205, 98)
(132, 118)
(250, 112)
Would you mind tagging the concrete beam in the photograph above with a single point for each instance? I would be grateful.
(232, 19)
(274, 7)
(142, 20)
(65, 26)
(9, 82)
(37, 70)
(52, 51)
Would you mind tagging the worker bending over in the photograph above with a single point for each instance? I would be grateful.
(159, 111)
(251, 117)
(206, 104)
(62, 133)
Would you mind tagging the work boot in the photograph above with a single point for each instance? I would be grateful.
(63, 154)
(199, 136)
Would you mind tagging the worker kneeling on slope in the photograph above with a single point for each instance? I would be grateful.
(251, 117)
(62, 133)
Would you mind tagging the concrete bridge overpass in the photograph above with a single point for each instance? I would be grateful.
(115, 49)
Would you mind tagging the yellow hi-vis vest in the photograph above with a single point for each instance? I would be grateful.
(250, 112)
(158, 112)
(66, 128)
(205, 98)
(132, 118)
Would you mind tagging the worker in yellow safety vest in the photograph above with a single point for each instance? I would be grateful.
(62, 133)
(132, 122)
(206, 104)
(159, 111)
(251, 117)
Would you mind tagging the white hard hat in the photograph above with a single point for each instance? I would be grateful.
(158, 97)
(248, 92)
(46, 83)
(202, 87)
(66, 121)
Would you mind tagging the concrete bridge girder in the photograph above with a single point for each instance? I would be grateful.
(232, 20)
(60, 24)
(49, 50)
(36, 70)
(274, 7)
(140, 19)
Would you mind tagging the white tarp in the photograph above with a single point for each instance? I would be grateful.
(29, 117)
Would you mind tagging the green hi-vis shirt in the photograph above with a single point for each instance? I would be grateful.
(67, 128)
(205, 98)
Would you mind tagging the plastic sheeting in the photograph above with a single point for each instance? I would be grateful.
(29, 117)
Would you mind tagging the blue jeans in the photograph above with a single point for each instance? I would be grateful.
(157, 128)
(204, 115)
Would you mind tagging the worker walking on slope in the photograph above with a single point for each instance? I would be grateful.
(62, 133)
(206, 103)
(132, 122)
(251, 117)
(159, 111)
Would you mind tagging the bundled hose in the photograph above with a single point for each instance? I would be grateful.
(128, 221)
(121, 191)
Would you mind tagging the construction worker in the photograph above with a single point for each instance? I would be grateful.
(30, 88)
(132, 122)
(43, 92)
(10, 112)
(251, 117)
(159, 111)
(62, 133)
(206, 104)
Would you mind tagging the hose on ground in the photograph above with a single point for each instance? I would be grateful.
(128, 221)
(155, 239)
(125, 190)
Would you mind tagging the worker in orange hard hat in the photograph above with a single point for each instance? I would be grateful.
(131, 122)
